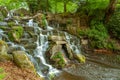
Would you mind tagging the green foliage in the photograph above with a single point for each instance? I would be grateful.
(98, 36)
(16, 33)
(93, 8)
(113, 25)
(44, 21)
(13, 4)
(57, 6)
(2, 74)
(59, 56)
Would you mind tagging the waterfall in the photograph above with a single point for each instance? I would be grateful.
(38, 57)
(43, 68)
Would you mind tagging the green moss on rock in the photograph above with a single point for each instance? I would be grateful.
(16, 33)
(21, 60)
(59, 60)
(3, 52)
(11, 24)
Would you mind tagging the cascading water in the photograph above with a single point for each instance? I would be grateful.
(42, 67)
(38, 57)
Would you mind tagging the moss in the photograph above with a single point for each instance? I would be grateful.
(44, 24)
(16, 33)
(3, 27)
(21, 60)
(11, 24)
(58, 57)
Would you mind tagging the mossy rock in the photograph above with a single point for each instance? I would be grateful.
(3, 27)
(59, 60)
(3, 52)
(81, 58)
(22, 61)
(16, 33)
(11, 24)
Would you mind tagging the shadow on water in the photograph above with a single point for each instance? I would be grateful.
(67, 76)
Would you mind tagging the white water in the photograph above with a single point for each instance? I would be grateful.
(43, 44)
(39, 52)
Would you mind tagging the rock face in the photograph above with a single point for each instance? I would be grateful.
(3, 52)
(59, 53)
(22, 60)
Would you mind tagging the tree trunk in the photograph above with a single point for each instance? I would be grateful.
(47, 6)
(110, 10)
(65, 7)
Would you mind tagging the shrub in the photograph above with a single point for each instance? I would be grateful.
(98, 36)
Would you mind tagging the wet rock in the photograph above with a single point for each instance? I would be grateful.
(56, 38)
(21, 60)
(3, 52)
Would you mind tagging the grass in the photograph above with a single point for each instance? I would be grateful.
(2, 74)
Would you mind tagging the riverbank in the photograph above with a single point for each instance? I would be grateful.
(98, 66)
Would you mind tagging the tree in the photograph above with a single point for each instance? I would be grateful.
(110, 10)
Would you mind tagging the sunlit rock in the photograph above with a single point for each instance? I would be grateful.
(81, 58)
(56, 38)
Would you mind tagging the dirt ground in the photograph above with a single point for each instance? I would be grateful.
(15, 73)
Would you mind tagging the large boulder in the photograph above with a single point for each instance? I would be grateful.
(21, 60)
(56, 56)
(3, 52)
